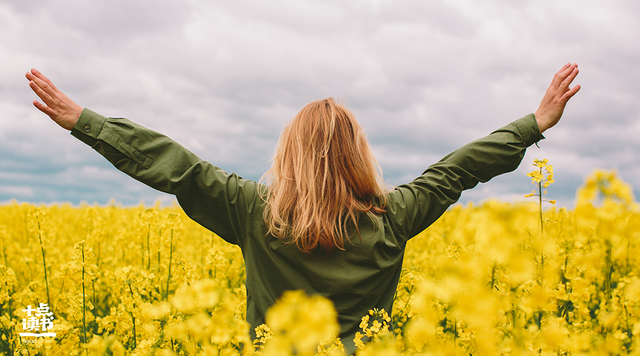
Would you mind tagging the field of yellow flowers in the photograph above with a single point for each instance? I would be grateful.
(492, 279)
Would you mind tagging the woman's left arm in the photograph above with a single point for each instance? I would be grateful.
(55, 104)
(221, 202)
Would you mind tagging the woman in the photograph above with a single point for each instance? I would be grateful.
(322, 221)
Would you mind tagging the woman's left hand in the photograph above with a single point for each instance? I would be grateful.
(64, 111)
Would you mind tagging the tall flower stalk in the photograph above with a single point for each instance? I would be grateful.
(37, 214)
(133, 318)
(166, 292)
(84, 300)
(541, 177)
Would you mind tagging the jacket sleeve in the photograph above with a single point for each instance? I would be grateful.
(218, 201)
(414, 206)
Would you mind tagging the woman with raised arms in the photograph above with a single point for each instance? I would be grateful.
(321, 219)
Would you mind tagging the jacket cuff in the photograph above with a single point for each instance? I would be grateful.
(88, 126)
(529, 130)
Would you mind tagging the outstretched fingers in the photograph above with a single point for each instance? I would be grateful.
(564, 68)
(59, 107)
(42, 86)
(43, 79)
(558, 77)
(562, 75)
(40, 92)
(570, 75)
(567, 92)
(44, 108)
(556, 97)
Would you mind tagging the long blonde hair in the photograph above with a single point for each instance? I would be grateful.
(323, 177)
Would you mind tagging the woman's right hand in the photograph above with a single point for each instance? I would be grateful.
(64, 111)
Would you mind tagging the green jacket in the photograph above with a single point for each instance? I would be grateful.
(363, 276)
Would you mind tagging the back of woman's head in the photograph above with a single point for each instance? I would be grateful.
(323, 177)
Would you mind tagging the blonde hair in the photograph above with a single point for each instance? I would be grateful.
(323, 177)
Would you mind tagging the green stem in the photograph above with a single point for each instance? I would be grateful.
(26, 228)
(541, 231)
(455, 335)
(44, 262)
(166, 293)
(493, 276)
(159, 238)
(98, 256)
(608, 272)
(84, 305)
(148, 250)
(4, 252)
(133, 320)
(540, 207)
(93, 287)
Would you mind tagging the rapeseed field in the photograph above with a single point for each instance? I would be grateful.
(488, 279)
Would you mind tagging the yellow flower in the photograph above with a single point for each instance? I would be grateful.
(157, 311)
(358, 340)
(540, 163)
(536, 177)
(365, 320)
(301, 322)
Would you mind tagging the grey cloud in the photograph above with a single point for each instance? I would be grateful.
(103, 20)
(224, 77)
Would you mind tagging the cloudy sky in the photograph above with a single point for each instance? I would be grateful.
(224, 77)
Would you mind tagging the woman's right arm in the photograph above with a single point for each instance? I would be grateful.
(415, 206)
